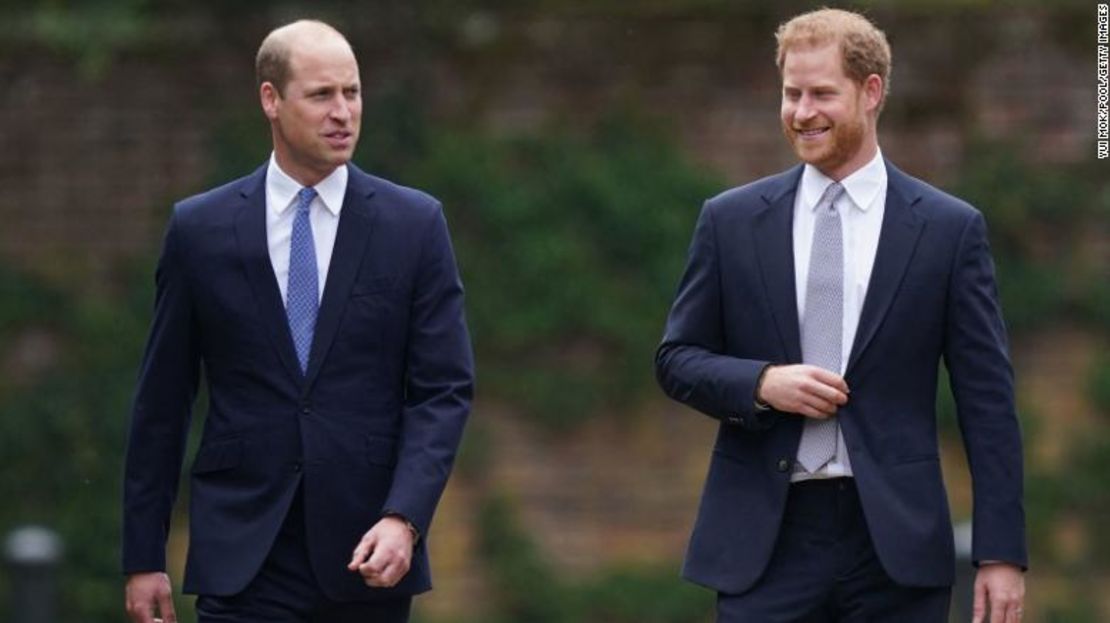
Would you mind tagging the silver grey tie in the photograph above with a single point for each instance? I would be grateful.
(822, 324)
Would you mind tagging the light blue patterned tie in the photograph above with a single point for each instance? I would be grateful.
(823, 323)
(302, 302)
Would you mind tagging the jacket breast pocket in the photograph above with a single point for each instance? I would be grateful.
(372, 285)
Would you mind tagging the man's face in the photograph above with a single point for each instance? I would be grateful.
(316, 120)
(825, 113)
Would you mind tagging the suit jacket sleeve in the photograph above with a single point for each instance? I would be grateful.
(439, 381)
(160, 414)
(975, 353)
(690, 363)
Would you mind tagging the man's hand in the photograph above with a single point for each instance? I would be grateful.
(1002, 586)
(804, 389)
(144, 592)
(384, 554)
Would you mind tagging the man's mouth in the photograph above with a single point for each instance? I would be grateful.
(810, 133)
(338, 138)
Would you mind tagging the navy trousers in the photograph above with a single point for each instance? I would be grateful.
(824, 569)
(286, 591)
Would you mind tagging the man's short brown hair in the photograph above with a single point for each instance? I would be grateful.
(273, 61)
(863, 47)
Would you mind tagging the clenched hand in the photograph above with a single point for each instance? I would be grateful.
(384, 553)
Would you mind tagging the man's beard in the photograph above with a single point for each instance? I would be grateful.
(844, 142)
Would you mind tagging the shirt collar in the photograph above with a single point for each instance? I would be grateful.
(861, 186)
(283, 189)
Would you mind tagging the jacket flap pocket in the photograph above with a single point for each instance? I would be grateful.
(218, 456)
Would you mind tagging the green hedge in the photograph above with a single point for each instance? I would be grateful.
(527, 589)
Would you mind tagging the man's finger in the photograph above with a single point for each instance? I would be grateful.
(830, 378)
(998, 612)
(1003, 608)
(140, 610)
(827, 393)
(373, 576)
(376, 563)
(138, 616)
(397, 571)
(387, 577)
(393, 573)
(832, 394)
(165, 608)
(362, 551)
(823, 407)
(979, 605)
(144, 616)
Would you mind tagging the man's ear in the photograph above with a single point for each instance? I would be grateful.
(270, 99)
(872, 92)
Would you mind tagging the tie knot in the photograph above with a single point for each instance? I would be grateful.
(832, 194)
(304, 198)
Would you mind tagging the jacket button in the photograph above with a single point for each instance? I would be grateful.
(733, 419)
(297, 466)
(783, 465)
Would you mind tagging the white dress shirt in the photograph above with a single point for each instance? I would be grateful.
(861, 218)
(281, 191)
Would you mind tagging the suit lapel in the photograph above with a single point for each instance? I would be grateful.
(250, 234)
(774, 244)
(898, 238)
(355, 220)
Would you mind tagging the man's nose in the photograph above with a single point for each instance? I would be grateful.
(341, 109)
(805, 110)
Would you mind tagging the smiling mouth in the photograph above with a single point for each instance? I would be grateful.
(811, 133)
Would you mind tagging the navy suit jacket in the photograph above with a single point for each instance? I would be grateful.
(372, 426)
(932, 295)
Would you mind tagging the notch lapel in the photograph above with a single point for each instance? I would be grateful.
(254, 251)
(899, 233)
(774, 245)
(353, 233)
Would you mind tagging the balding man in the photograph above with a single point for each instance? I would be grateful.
(326, 308)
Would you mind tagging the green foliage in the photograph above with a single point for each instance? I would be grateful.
(1081, 610)
(528, 590)
(93, 33)
(645, 596)
(947, 422)
(1040, 220)
(1073, 499)
(1098, 383)
(63, 433)
(570, 247)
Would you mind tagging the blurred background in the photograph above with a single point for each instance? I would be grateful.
(572, 142)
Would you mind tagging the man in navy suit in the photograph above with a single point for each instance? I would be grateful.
(813, 314)
(325, 308)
